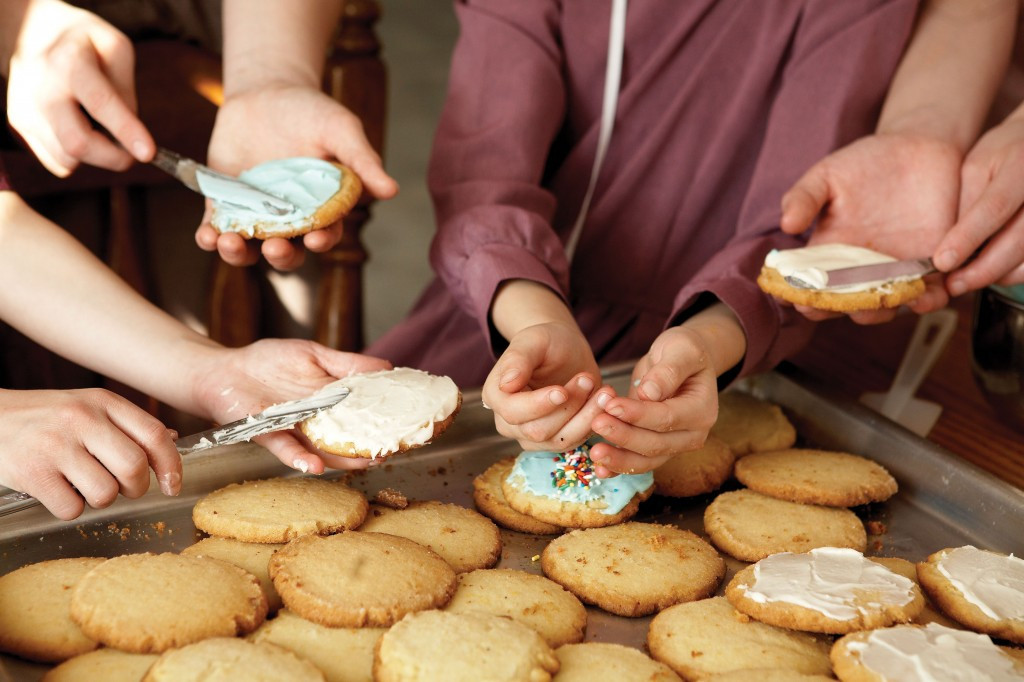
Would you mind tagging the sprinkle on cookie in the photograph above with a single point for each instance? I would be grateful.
(574, 469)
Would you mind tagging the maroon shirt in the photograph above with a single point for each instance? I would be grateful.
(723, 105)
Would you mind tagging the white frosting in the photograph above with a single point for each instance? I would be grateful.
(384, 410)
(829, 580)
(933, 653)
(992, 582)
(810, 264)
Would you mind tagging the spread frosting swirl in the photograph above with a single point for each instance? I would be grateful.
(811, 262)
(992, 582)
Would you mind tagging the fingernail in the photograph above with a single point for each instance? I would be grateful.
(556, 397)
(945, 260)
(651, 390)
(602, 399)
(585, 383)
(170, 483)
(139, 149)
(957, 287)
(300, 464)
(508, 376)
(173, 434)
(616, 411)
(598, 457)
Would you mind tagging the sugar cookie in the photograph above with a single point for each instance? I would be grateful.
(929, 614)
(695, 472)
(766, 675)
(490, 500)
(603, 662)
(254, 557)
(228, 658)
(748, 424)
(102, 665)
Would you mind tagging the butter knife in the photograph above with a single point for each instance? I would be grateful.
(860, 274)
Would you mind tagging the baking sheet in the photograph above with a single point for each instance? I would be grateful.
(943, 501)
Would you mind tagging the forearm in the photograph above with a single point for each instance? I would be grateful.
(521, 303)
(723, 336)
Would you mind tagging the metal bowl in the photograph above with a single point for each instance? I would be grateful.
(997, 350)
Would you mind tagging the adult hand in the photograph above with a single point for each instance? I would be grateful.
(282, 121)
(69, 448)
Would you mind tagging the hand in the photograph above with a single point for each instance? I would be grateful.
(279, 122)
(240, 381)
(67, 60)
(69, 448)
(893, 193)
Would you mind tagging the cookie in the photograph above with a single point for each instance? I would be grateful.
(562, 489)
(148, 603)
(809, 265)
(322, 193)
(462, 647)
(706, 637)
(766, 675)
(490, 500)
(102, 665)
(277, 510)
(603, 662)
(342, 654)
(695, 472)
(35, 610)
(254, 557)
(386, 413)
(830, 590)
(633, 569)
(932, 652)
(750, 526)
(533, 600)
(748, 424)
(357, 579)
(228, 658)
(833, 479)
(929, 614)
(982, 590)
(462, 537)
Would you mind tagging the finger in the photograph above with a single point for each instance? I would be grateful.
(48, 150)
(1001, 256)
(516, 365)
(324, 239)
(282, 255)
(805, 200)
(579, 428)
(156, 445)
(286, 446)
(123, 458)
(346, 140)
(1000, 200)
(529, 406)
(89, 476)
(677, 361)
(869, 317)
(933, 298)
(340, 364)
(543, 430)
(1015, 276)
(611, 460)
(104, 102)
(234, 250)
(80, 141)
(55, 493)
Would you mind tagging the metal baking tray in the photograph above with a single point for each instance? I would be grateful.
(943, 500)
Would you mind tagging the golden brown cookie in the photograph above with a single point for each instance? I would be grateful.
(491, 502)
(357, 579)
(695, 472)
(102, 665)
(750, 526)
(280, 509)
(254, 557)
(604, 662)
(462, 647)
(929, 614)
(833, 479)
(35, 610)
(701, 638)
(228, 658)
(462, 537)
(148, 603)
(748, 424)
(633, 569)
(533, 600)
(766, 675)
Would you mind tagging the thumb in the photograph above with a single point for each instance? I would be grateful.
(341, 364)
(805, 200)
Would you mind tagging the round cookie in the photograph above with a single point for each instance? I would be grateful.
(696, 472)
(35, 610)
(462, 647)
(750, 526)
(809, 264)
(102, 665)
(830, 590)
(701, 638)
(909, 570)
(633, 569)
(228, 658)
(357, 579)
(461, 536)
(603, 662)
(277, 510)
(490, 500)
(387, 412)
(148, 603)
(533, 600)
(748, 424)
(254, 557)
(982, 590)
(342, 654)
(766, 675)
(833, 479)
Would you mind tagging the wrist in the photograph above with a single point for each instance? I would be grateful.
(521, 303)
(929, 123)
(721, 334)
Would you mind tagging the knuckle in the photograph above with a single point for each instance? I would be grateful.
(536, 432)
(102, 494)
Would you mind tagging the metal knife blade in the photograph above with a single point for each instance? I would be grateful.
(860, 274)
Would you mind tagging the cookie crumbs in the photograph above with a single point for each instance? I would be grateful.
(877, 527)
(696, 654)
(877, 545)
(535, 557)
(389, 497)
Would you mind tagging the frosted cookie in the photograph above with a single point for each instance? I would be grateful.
(342, 654)
(148, 603)
(35, 610)
(461, 536)
(830, 590)
(810, 263)
(750, 526)
(358, 579)
(633, 569)
(462, 647)
(834, 479)
(387, 412)
(562, 489)
(280, 509)
(490, 500)
(603, 662)
(321, 192)
(908, 570)
(748, 424)
(982, 590)
(932, 652)
(533, 600)
(252, 556)
(706, 637)
(102, 665)
(223, 658)
(695, 472)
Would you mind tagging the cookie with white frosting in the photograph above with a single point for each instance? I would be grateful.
(810, 263)
(490, 500)
(748, 424)
(695, 472)
(386, 412)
